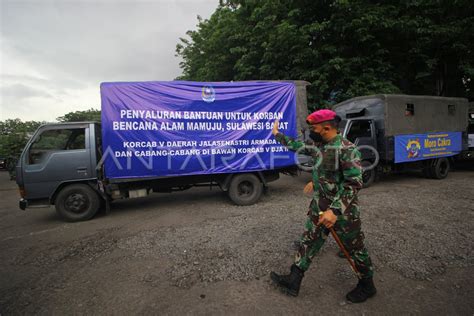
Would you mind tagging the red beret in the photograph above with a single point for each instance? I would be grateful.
(321, 116)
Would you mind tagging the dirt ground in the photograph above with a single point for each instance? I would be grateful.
(193, 252)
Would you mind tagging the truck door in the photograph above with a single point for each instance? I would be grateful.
(56, 154)
(362, 133)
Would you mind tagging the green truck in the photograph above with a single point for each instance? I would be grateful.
(406, 132)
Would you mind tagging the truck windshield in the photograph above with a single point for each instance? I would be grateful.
(359, 129)
(470, 128)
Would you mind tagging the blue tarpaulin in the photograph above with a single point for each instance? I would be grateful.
(427, 146)
(152, 129)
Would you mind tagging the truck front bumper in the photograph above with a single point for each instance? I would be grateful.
(467, 155)
(23, 204)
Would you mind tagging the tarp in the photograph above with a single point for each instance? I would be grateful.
(154, 129)
(427, 146)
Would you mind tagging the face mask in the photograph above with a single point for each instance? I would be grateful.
(316, 137)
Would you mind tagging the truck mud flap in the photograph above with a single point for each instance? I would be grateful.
(100, 190)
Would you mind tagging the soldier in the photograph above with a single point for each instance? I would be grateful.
(337, 179)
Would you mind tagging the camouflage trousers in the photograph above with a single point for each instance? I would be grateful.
(347, 227)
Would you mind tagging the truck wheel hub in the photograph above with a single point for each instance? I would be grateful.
(76, 202)
(245, 188)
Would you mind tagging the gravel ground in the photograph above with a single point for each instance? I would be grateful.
(194, 252)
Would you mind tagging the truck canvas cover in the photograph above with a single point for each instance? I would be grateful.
(158, 129)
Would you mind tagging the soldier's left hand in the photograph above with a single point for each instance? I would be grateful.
(328, 218)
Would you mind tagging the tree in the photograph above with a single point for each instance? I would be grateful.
(15, 126)
(435, 54)
(343, 48)
(14, 134)
(80, 116)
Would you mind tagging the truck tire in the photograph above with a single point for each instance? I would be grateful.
(368, 175)
(77, 202)
(245, 189)
(440, 168)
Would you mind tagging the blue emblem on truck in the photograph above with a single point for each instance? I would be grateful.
(413, 148)
(208, 94)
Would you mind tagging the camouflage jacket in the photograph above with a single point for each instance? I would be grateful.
(337, 172)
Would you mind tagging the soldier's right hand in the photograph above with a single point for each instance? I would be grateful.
(275, 127)
(308, 189)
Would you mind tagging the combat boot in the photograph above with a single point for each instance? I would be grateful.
(364, 290)
(290, 283)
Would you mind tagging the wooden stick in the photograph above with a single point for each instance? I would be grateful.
(344, 251)
(346, 254)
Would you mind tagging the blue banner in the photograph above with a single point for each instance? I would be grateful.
(152, 129)
(427, 146)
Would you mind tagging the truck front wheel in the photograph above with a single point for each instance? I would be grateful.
(440, 168)
(368, 173)
(77, 202)
(245, 189)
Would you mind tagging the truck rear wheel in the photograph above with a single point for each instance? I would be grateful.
(77, 202)
(440, 168)
(245, 189)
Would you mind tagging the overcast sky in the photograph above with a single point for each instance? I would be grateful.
(55, 54)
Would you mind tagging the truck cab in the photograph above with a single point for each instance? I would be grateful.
(57, 155)
(363, 133)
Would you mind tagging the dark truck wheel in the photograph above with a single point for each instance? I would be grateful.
(77, 202)
(368, 175)
(245, 189)
(440, 168)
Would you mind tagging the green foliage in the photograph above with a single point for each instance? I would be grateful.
(343, 48)
(15, 126)
(81, 116)
(14, 135)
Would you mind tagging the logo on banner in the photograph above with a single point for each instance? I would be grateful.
(413, 148)
(208, 94)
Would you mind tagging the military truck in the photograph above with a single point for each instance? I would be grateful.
(405, 132)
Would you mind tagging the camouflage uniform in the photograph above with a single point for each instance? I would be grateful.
(337, 178)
